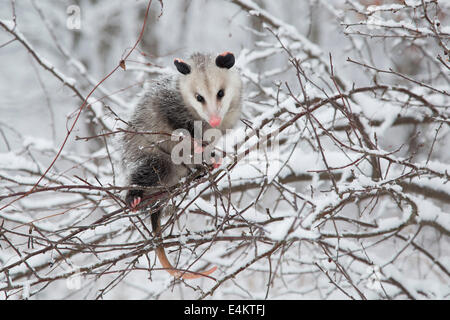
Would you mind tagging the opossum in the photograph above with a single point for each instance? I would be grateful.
(207, 90)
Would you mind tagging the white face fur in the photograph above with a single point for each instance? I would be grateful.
(210, 90)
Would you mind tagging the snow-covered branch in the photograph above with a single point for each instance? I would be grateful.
(334, 185)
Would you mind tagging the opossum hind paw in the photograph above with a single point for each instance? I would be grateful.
(133, 199)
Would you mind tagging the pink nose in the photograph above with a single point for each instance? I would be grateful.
(214, 121)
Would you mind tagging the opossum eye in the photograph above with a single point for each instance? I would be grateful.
(220, 94)
(199, 98)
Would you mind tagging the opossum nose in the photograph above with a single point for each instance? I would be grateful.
(214, 121)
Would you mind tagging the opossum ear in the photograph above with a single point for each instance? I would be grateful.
(182, 66)
(225, 60)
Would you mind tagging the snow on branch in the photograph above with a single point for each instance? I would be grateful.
(334, 185)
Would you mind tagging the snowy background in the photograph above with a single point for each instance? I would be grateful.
(353, 204)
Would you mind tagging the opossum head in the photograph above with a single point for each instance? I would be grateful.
(210, 86)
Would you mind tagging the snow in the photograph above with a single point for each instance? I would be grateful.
(278, 196)
(8, 23)
(13, 161)
(430, 212)
(386, 7)
(37, 142)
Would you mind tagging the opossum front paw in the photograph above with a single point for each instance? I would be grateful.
(216, 163)
(198, 148)
(133, 198)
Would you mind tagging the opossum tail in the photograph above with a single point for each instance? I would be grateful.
(161, 254)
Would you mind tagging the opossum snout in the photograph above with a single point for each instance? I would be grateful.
(215, 121)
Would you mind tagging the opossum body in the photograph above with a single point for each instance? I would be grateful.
(207, 91)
